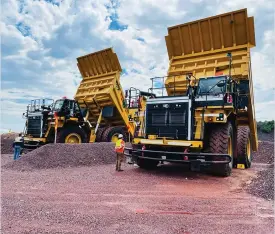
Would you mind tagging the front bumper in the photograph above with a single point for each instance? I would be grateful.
(178, 157)
(169, 142)
(32, 143)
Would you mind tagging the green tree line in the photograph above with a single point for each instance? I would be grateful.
(266, 126)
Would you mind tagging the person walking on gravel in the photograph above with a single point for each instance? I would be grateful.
(120, 145)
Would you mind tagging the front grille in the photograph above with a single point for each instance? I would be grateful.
(159, 118)
(177, 118)
(34, 126)
(167, 120)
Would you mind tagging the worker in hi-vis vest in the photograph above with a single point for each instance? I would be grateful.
(120, 144)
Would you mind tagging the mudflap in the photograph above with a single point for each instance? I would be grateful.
(130, 159)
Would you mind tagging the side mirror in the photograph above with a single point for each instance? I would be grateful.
(126, 93)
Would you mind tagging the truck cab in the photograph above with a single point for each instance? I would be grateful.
(43, 115)
(68, 108)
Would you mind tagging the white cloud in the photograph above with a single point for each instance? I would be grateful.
(252, 5)
(263, 62)
(19, 94)
(264, 110)
(13, 43)
(40, 61)
(151, 13)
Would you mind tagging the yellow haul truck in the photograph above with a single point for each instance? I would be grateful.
(205, 112)
(98, 112)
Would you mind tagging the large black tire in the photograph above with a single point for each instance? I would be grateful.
(147, 163)
(110, 133)
(73, 130)
(99, 134)
(221, 142)
(244, 146)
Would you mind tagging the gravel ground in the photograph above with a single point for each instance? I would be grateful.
(75, 189)
(97, 199)
(6, 142)
(265, 153)
(263, 184)
(6, 158)
(65, 155)
(266, 136)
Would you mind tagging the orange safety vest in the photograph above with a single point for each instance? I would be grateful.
(120, 144)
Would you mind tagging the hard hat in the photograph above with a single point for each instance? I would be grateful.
(120, 136)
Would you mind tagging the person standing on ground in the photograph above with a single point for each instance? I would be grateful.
(17, 146)
(120, 145)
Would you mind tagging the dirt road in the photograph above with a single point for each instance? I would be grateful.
(99, 200)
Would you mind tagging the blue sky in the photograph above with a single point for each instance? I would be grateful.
(40, 41)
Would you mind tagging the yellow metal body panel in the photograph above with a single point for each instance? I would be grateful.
(61, 122)
(210, 116)
(207, 65)
(35, 139)
(152, 137)
(200, 48)
(137, 116)
(74, 119)
(240, 166)
(101, 87)
(217, 32)
(48, 130)
(92, 138)
(166, 142)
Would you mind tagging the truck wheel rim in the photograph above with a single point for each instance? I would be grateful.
(114, 138)
(73, 138)
(248, 150)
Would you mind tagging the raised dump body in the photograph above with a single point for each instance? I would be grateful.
(201, 48)
(100, 89)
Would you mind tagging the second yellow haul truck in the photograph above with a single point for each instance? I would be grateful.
(99, 111)
(205, 115)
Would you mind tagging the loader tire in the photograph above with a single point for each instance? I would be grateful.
(147, 163)
(111, 134)
(99, 134)
(244, 146)
(221, 142)
(71, 135)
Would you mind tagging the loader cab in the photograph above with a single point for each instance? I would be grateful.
(67, 108)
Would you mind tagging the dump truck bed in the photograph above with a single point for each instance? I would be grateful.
(101, 87)
(200, 47)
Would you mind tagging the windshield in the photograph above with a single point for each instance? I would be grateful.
(211, 84)
(58, 105)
